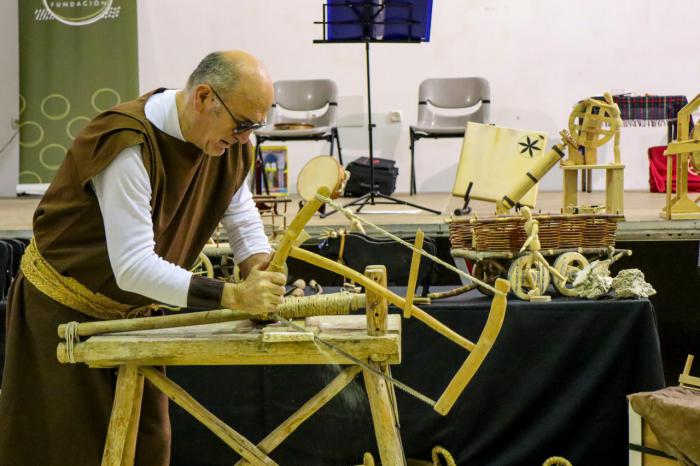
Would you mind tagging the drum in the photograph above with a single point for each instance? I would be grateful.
(293, 126)
(321, 171)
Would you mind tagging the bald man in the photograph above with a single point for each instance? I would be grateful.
(140, 191)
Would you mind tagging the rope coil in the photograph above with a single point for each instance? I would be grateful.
(71, 339)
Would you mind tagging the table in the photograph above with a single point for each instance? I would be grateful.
(554, 384)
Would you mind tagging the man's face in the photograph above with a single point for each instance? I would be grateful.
(227, 122)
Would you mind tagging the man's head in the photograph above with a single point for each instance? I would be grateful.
(226, 97)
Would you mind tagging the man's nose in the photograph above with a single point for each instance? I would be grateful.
(243, 137)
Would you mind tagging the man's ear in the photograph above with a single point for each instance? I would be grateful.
(200, 95)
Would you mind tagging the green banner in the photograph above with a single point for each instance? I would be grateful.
(77, 58)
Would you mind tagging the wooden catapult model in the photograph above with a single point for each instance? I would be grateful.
(369, 344)
(592, 123)
(687, 151)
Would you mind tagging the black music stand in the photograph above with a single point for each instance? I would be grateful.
(367, 21)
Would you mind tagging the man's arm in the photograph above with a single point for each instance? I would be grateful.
(124, 194)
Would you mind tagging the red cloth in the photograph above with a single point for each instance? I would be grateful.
(657, 172)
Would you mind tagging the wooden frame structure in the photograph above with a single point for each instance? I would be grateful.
(135, 352)
(687, 150)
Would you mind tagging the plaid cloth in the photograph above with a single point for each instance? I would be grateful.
(649, 110)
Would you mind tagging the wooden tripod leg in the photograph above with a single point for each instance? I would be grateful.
(133, 432)
(119, 444)
(378, 392)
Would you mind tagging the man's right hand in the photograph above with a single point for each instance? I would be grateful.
(261, 292)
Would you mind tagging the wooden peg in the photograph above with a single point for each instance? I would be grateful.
(413, 274)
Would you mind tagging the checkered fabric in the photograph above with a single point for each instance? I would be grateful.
(649, 110)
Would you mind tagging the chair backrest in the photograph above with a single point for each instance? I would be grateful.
(453, 93)
(319, 97)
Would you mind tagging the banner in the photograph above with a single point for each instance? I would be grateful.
(77, 58)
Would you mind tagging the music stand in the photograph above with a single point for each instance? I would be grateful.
(367, 21)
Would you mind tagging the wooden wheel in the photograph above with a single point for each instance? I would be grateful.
(487, 271)
(519, 284)
(568, 264)
(591, 125)
(203, 266)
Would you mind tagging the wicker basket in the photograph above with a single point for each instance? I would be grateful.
(556, 232)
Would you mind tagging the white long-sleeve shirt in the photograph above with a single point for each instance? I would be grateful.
(124, 194)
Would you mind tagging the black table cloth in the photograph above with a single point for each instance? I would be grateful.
(554, 384)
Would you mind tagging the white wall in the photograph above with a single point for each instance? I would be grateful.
(9, 97)
(540, 57)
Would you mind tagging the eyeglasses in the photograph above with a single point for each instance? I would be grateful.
(241, 126)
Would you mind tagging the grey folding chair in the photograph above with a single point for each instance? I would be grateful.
(437, 94)
(309, 107)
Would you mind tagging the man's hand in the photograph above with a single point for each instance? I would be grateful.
(259, 293)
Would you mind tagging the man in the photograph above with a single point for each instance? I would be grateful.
(139, 193)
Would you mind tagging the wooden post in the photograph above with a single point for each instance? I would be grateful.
(378, 392)
(121, 436)
(569, 193)
(614, 189)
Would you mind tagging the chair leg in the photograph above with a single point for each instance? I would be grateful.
(330, 140)
(412, 188)
(337, 141)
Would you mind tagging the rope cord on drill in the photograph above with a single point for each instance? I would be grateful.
(350, 214)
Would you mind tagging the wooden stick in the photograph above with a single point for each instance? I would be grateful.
(115, 451)
(284, 430)
(236, 441)
(476, 357)
(413, 274)
(295, 229)
(370, 285)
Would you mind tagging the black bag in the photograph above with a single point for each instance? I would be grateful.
(385, 174)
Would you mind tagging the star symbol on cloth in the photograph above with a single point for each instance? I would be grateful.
(529, 145)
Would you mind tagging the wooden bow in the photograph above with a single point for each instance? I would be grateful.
(478, 350)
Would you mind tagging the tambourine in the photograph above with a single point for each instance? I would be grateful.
(321, 171)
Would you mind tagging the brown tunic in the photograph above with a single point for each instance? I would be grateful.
(57, 415)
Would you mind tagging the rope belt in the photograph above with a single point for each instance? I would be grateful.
(71, 293)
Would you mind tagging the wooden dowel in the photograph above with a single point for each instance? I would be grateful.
(87, 329)
(476, 357)
(284, 430)
(413, 273)
(430, 321)
(233, 439)
(291, 308)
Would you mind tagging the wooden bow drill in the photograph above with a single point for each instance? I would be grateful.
(341, 303)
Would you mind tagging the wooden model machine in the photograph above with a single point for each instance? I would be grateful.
(367, 344)
(686, 150)
(592, 123)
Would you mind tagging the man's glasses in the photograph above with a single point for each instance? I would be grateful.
(241, 126)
